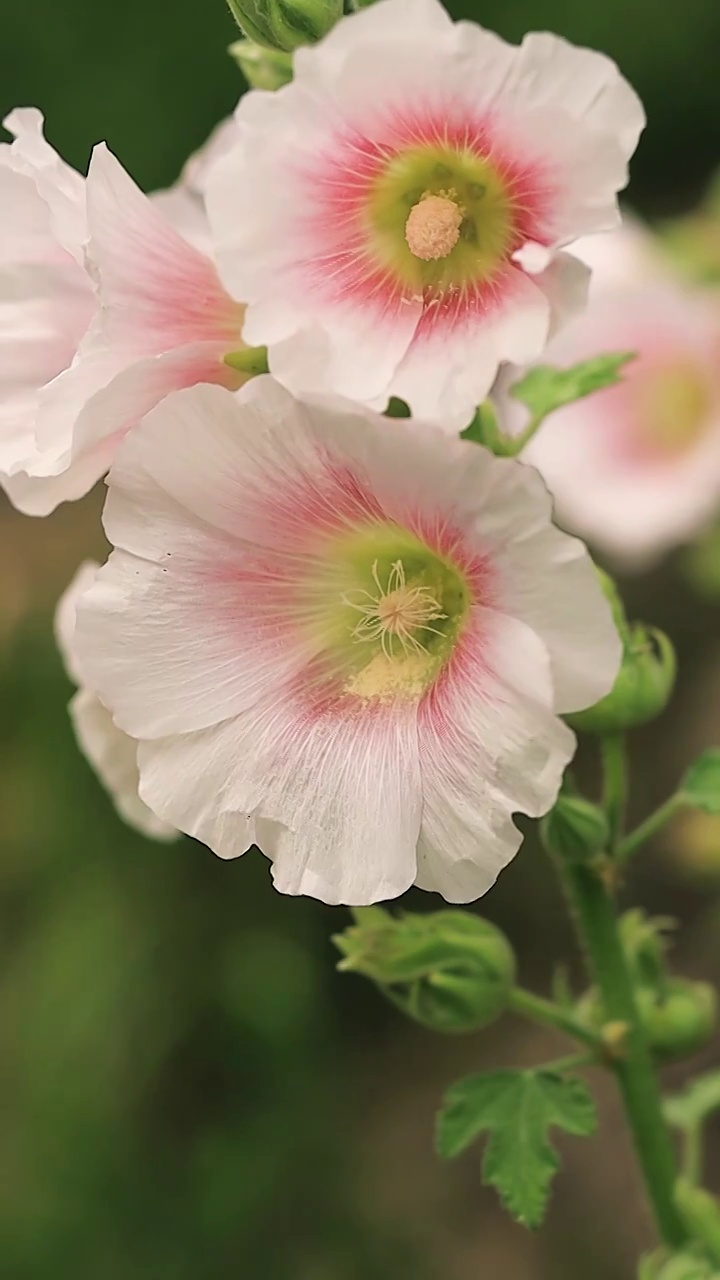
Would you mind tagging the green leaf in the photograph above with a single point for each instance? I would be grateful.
(546, 388)
(517, 1109)
(701, 785)
(688, 1109)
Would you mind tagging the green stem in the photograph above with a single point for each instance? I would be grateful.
(597, 926)
(693, 1154)
(548, 1014)
(614, 761)
(518, 443)
(654, 823)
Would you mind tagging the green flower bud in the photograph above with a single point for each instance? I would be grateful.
(680, 1020)
(285, 24)
(262, 68)
(676, 1266)
(701, 1213)
(642, 689)
(450, 970)
(676, 1023)
(575, 829)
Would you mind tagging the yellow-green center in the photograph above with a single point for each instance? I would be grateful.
(673, 406)
(386, 612)
(439, 217)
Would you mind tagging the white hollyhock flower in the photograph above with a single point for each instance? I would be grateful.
(104, 309)
(393, 217)
(636, 468)
(111, 752)
(343, 637)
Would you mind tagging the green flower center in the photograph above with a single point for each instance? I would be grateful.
(674, 405)
(439, 217)
(387, 612)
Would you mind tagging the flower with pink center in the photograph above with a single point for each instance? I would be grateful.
(636, 468)
(394, 216)
(345, 638)
(104, 309)
(112, 754)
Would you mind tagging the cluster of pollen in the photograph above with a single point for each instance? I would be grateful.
(395, 614)
(433, 226)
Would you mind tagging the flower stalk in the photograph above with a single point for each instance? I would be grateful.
(596, 922)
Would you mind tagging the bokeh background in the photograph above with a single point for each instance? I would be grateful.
(189, 1091)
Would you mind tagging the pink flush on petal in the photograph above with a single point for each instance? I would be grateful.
(367, 600)
(361, 188)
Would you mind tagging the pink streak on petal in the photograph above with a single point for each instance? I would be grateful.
(263, 589)
(337, 261)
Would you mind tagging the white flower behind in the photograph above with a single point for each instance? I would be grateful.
(635, 469)
(395, 216)
(343, 637)
(112, 754)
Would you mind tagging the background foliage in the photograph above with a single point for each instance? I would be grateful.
(188, 1090)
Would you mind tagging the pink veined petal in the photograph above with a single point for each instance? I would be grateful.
(342, 793)
(158, 292)
(490, 744)
(453, 360)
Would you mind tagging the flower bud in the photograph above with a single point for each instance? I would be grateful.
(575, 829)
(701, 1213)
(262, 68)
(642, 689)
(680, 1020)
(676, 1266)
(450, 970)
(285, 24)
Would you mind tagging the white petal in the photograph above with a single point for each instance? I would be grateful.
(343, 796)
(113, 755)
(59, 186)
(488, 749)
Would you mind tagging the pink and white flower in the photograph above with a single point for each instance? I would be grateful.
(343, 637)
(111, 752)
(104, 309)
(394, 216)
(636, 468)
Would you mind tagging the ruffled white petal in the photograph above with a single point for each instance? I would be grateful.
(111, 752)
(470, 788)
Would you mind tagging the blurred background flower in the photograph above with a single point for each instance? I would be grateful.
(189, 1089)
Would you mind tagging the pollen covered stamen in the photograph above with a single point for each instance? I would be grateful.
(433, 227)
(396, 613)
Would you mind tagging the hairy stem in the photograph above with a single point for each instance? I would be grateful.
(614, 761)
(549, 1014)
(597, 926)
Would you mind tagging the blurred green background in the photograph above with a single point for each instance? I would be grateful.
(189, 1091)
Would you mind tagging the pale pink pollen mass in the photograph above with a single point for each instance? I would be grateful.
(433, 228)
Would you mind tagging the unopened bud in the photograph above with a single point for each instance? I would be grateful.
(642, 689)
(701, 1214)
(680, 1020)
(262, 68)
(449, 970)
(664, 1265)
(285, 24)
(575, 829)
